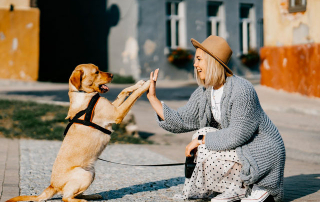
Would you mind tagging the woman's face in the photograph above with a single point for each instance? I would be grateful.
(200, 64)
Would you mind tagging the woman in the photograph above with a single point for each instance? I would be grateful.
(240, 151)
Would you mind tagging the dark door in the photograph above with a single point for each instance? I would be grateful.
(73, 32)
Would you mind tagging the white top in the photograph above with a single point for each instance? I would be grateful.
(215, 103)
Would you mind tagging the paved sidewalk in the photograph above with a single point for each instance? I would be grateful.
(296, 116)
(9, 168)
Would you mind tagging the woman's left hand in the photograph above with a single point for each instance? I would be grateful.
(193, 144)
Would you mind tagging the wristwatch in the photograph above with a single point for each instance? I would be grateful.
(200, 137)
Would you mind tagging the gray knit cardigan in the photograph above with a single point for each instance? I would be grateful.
(245, 127)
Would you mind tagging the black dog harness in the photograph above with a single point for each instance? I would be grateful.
(88, 117)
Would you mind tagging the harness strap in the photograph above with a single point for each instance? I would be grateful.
(88, 123)
(88, 117)
(91, 106)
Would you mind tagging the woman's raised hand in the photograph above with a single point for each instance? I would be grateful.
(152, 88)
(151, 94)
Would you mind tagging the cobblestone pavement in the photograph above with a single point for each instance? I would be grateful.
(114, 182)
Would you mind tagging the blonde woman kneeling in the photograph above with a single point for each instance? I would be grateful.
(241, 154)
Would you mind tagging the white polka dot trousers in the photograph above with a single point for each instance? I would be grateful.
(215, 172)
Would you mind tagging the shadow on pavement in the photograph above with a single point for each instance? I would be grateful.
(145, 135)
(150, 186)
(298, 186)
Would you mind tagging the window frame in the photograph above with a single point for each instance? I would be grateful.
(178, 37)
(293, 8)
(248, 26)
(214, 20)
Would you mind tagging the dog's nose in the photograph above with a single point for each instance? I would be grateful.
(111, 75)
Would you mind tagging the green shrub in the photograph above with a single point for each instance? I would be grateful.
(122, 79)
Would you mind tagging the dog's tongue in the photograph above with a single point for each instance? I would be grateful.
(104, 87)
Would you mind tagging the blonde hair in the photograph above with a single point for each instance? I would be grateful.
(215, 74)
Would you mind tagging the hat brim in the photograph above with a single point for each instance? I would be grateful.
(196, 44)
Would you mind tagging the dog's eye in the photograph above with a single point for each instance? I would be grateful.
(97, 72)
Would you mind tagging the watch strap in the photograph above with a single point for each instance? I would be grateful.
(200, 137)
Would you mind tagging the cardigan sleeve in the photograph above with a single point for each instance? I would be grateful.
(244, 121)
(185, 118)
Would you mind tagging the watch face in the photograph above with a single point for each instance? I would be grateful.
(200, 137)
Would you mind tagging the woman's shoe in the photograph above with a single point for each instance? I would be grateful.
(227, 197)
(257, 195)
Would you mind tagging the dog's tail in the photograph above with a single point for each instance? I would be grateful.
(46, 194)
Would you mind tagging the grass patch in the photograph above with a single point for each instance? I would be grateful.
(20, 119)
(120, 136)
(122, 79)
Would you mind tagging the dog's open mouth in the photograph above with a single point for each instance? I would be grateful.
(104, 88)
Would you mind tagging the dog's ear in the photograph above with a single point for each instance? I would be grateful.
(76, 78)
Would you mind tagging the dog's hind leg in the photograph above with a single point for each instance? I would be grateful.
(71, 190)
(80, 180)
(73, 200)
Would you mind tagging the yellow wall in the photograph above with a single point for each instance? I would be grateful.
(19, 43)
(18, 4)
(284, 28)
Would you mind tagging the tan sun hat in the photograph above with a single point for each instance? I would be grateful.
(218, 48)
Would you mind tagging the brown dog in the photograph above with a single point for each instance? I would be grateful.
(73, 170)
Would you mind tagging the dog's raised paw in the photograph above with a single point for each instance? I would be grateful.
(140, 83)
(147, 84)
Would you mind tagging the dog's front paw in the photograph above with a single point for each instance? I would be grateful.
(136, 86)
(146, 85)
(140, 83)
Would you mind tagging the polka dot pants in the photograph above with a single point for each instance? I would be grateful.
(215, 172)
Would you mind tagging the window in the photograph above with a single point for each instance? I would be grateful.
(214, 13)
(297, 5)
(247, 28)
(176, 29)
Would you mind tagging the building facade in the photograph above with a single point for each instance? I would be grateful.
(126, 37)
(149, 31)
(19, 40)
(290, 59)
